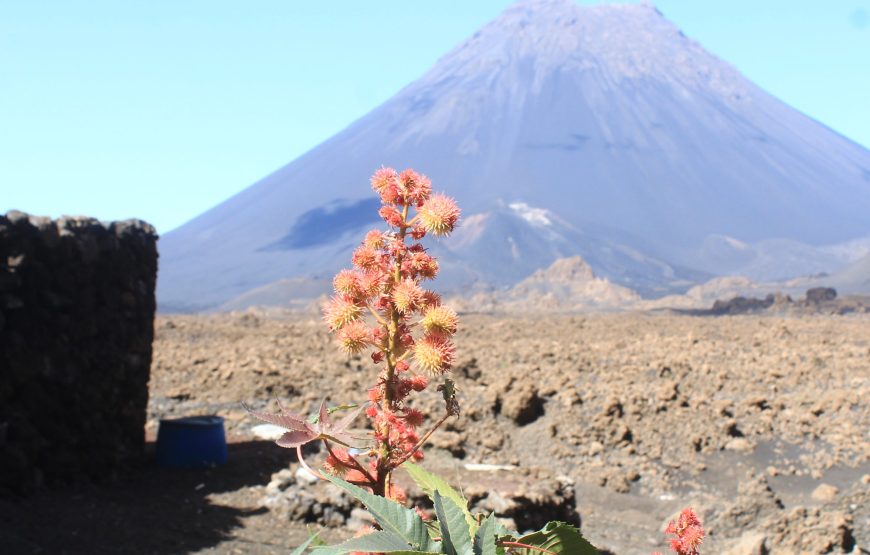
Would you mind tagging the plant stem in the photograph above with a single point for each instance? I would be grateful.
(423, 440)
(385, 467)
(304, 464)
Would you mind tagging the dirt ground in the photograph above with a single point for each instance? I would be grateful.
(762, 423)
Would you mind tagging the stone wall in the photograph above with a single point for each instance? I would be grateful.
(76, 326)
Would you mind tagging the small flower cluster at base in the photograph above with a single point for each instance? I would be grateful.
(688, 533)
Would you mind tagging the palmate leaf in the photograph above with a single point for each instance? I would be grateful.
(380, 541)
(429, 482)
(392, 517)
(556, 537)
(455, 537)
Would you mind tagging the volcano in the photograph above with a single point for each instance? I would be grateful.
(561, 130)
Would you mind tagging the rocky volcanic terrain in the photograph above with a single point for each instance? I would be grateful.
(762, 423)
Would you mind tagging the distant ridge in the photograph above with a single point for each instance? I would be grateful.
(561, 130)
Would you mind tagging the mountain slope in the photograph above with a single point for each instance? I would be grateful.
(606, 117)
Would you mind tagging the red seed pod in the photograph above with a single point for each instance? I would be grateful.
(391, 216)
(439, 215)
(414, 417)
(366, 258)
(419, 383)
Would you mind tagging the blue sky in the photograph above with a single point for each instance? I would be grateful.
(161, 109)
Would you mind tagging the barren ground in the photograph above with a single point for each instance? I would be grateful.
(741, 417)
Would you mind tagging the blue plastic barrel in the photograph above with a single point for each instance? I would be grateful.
(192, 442)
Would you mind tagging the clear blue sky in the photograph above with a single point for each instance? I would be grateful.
(162, 109)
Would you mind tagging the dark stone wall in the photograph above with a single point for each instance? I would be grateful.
(76, 326)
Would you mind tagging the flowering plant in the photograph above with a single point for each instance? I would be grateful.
(381, 306)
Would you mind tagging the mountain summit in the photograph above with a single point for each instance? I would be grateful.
(561, 130)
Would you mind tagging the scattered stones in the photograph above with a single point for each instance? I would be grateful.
(755, 502)
(527, 504)
(813, 531)
(825, 493)
(740, 444)
(750, 543)
(521, 403)
(625, 395)
(291, 494)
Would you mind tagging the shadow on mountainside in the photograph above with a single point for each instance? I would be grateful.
(143, 510)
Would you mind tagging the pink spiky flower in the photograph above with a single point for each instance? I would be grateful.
(366, 258)
(374, 239)
(340, 311)
(430, 299)
(440, 320)
(354, 337)
(385, 182)
(439, 215)
(415, 187)
(688, 531)
(434, 354)
(407, 295)
(346, 283)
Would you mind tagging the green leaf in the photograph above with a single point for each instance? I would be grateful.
(429, 482)
(484, 538)
(301, 549)
(380, 541)
(455, 537)
(394, 518)
(556, 537)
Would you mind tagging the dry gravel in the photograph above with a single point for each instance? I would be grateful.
(743, 417)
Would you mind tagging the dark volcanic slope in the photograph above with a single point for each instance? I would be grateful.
(561, 130)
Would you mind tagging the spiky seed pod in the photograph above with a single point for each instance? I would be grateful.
(346, 283)
(415, 187)
(397, 493)
(366, 258)
(418, 383)
(433, 354)
(375, 395)
(337, 465)
(440, 320)
(414, 417)
(689, 533)
(340, 311)
(374, 239)
(370, 284)
(354, 337)
(397, 249)
(424, 265)
(392, 216)
(430, 299)
(439, 215)
(385, 182)
(407, 295)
